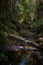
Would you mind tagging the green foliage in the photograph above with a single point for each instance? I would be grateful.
(3, 57)
(36, 24)
(24, 32)
(24, 8)
(4, 38)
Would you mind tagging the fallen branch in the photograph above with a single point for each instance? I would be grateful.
(23, 39)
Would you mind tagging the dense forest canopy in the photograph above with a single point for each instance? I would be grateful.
(21, 24)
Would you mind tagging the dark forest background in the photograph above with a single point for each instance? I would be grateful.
(21, 21)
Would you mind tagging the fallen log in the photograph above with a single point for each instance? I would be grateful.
(23, 39)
